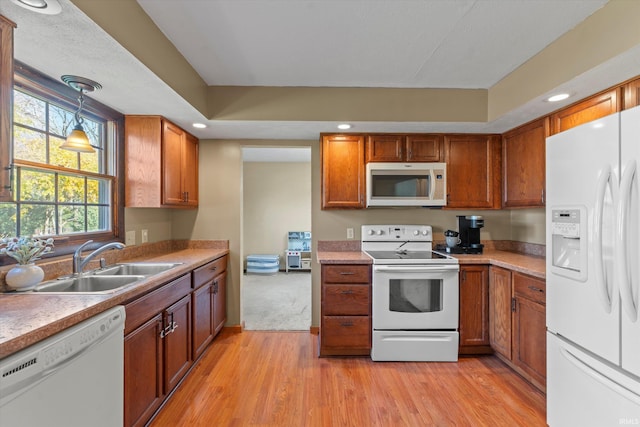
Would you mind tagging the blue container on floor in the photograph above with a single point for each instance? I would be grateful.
(263, 264)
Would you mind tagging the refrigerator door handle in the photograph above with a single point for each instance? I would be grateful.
(600, 377)
(626, 294)
(604, 181)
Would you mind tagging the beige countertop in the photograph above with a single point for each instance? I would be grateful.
(527, 264)
(26, 318)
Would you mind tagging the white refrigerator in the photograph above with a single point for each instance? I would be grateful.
(593, 274)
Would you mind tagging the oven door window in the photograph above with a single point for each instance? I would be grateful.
(415, 295)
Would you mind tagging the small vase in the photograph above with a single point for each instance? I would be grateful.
(24, 277)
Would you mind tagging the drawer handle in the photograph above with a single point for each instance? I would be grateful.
(214, 268)
(533, 288)
(346, 324)
(347, 292)
(347, 273)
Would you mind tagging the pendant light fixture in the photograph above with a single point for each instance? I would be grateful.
(77, 140)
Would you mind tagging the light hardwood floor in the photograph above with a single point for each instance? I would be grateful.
(257, 378)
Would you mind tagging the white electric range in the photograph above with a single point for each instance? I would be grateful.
(415, 295)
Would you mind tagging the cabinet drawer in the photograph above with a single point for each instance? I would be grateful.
(529, 287)
(345, 300)
(346, 273)
(207, 272)
(346, 331)
(142, 309)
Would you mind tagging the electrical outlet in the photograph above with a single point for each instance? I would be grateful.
(349, 233)
(144, 236)
(130, 239)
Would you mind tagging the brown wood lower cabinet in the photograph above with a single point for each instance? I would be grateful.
(177, 347)
(143, 361)
(474, 309)
(209, 303)
(517, 318)
(529, 328)
(345, 328)
(166, 330)
(157, 336)
(500, 310)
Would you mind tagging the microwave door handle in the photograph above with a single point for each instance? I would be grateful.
(432, 183)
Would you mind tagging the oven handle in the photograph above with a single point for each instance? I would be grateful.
(416, 268)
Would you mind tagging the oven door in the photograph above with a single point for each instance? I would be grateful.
(415, 297)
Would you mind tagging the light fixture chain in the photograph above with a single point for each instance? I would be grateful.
(79, 119)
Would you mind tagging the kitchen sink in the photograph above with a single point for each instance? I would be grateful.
(90, 284)
(136, 269)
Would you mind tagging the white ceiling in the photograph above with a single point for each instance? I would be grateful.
(363, 43)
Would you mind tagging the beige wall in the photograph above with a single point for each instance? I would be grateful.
(221, 211)
(277, 199)
(157, 222)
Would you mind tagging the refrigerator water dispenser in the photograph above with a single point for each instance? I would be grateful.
(569, 242)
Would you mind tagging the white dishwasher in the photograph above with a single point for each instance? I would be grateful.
(74, 378)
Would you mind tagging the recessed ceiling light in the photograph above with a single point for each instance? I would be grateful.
(199, 125)
(558, 97)
(48, 7)
(344, 126)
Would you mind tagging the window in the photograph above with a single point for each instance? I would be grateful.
(70, 196)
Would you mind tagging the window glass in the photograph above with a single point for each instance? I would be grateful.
(58, 192)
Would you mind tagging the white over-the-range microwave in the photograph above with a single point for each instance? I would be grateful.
(406, 184)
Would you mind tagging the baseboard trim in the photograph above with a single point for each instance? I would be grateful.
(315, 330)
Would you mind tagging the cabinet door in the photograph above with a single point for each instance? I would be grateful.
(474, 308)
(632, 94)
(202, 300)
(177, 343)
(6, 106)
(585, 111)
(172, 137)
(385, 148)
(529, 338)
(190, 170)
(342, 164)
(219, 302)
(143, 389)
(500, 310)
(523, 165)
(424, 148)
(473, 171)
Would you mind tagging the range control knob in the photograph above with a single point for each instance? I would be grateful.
(370, 232)
(416, 232)
(425, 232)
(379, 232)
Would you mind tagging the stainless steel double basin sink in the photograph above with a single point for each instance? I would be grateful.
(105, 280)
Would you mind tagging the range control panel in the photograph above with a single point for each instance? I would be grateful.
(382, 233)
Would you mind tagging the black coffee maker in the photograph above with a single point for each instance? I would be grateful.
(469, 234)
(469, 228)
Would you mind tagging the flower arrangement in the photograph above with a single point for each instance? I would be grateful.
(25, 250)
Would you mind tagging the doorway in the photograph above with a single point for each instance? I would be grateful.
(276, 200)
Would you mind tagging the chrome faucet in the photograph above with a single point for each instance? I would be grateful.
(79, 263)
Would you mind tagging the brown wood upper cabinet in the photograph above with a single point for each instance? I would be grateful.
(6, 106)
(161, 164)
(404, 148)
(523, 165)
(632, 94)
(342, 168)
(592, 108)
(473, 171)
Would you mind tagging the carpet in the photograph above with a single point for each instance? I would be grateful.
(278, 302)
